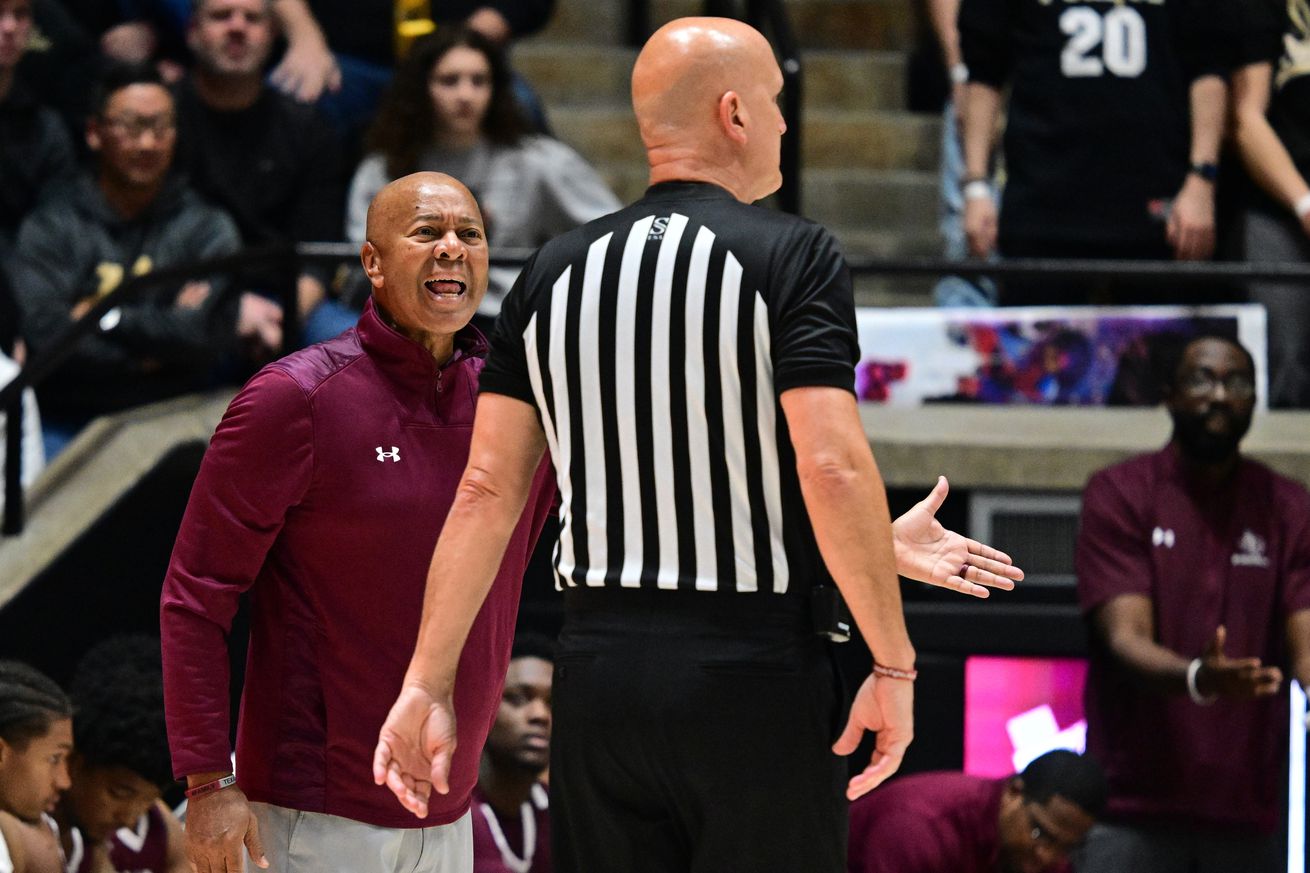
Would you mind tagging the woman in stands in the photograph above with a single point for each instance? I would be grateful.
(36, 737)
(451, 109)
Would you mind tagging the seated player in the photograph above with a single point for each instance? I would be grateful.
(36, 736)
(955, 823)
(28, 848)
(112, 819)
(511, 819)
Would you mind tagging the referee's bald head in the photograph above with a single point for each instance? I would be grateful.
(704, 91)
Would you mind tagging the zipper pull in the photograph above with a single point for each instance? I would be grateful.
(438, 380)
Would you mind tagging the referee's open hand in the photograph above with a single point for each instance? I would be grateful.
(885, 706)
(415, 748)
(928, 552)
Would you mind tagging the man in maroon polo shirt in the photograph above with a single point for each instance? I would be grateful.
(322, 494)
(955, 823)
(1194, 574)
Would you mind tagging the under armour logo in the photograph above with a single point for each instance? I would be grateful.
(1162, 537)
(393, 455)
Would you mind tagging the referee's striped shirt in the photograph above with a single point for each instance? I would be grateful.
(654, 344)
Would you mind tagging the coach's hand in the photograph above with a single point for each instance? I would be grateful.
(885, 706)
(415, 747)
(217, 825)
(928, 552)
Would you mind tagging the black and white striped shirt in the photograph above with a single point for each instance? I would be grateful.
(654, 344)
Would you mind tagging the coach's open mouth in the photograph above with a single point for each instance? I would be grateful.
(445, 289)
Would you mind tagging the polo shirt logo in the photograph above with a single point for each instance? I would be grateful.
(392, 456)
(1163, 537)
(1250, 551)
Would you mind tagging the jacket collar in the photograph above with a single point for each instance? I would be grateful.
(405, 360)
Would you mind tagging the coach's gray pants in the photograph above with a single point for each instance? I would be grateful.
(311, 842)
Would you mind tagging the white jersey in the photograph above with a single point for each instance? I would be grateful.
(6, 863)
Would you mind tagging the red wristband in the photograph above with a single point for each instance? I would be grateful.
(210, 787)
(893, 673)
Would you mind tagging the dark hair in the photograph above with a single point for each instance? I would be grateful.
(1076, 778)
(119, 692)
(197, 5)
(30, 702)
(529, 644)
(117, 76)
(406, 122)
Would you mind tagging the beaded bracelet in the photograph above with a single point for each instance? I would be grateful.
(210, 787)
(893, 673)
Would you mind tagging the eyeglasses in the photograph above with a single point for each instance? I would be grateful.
(133, 126)
(1202, 383)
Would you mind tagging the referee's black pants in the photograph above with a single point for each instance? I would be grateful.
(692, 734)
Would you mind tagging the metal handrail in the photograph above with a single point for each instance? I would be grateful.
(287, 257)
(293, 258)
(1180, 271)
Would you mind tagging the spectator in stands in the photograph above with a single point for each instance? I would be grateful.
(13, 355)
(62, 57)
(954, 823)
(35, 148)
(137, 31)
(943, 15)
(1193, 571)
(1102, 155)
(450, 110)
(273, 164)
(1272, 129)
(511, 817)
(112, 818)
(129, 217)
(36, 737)
(343, 51)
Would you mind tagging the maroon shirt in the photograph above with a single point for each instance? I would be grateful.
(1237, 555)
(323, 492)
(927, 823)
(141, 849)
(515, 844)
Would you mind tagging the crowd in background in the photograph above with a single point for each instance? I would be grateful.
(143, 134)
(1132, 131)
(224, 125)
(220, 125)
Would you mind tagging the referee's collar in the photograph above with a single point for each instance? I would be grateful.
(686, 190)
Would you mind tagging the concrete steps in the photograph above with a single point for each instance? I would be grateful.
(595, 74)
(844, 24)
(869, 167)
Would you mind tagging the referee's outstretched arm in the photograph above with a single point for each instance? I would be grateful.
(847, 506)
(417, 742)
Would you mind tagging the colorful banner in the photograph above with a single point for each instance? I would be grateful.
(1051, 355)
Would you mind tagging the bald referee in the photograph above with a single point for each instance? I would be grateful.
(689, 363)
